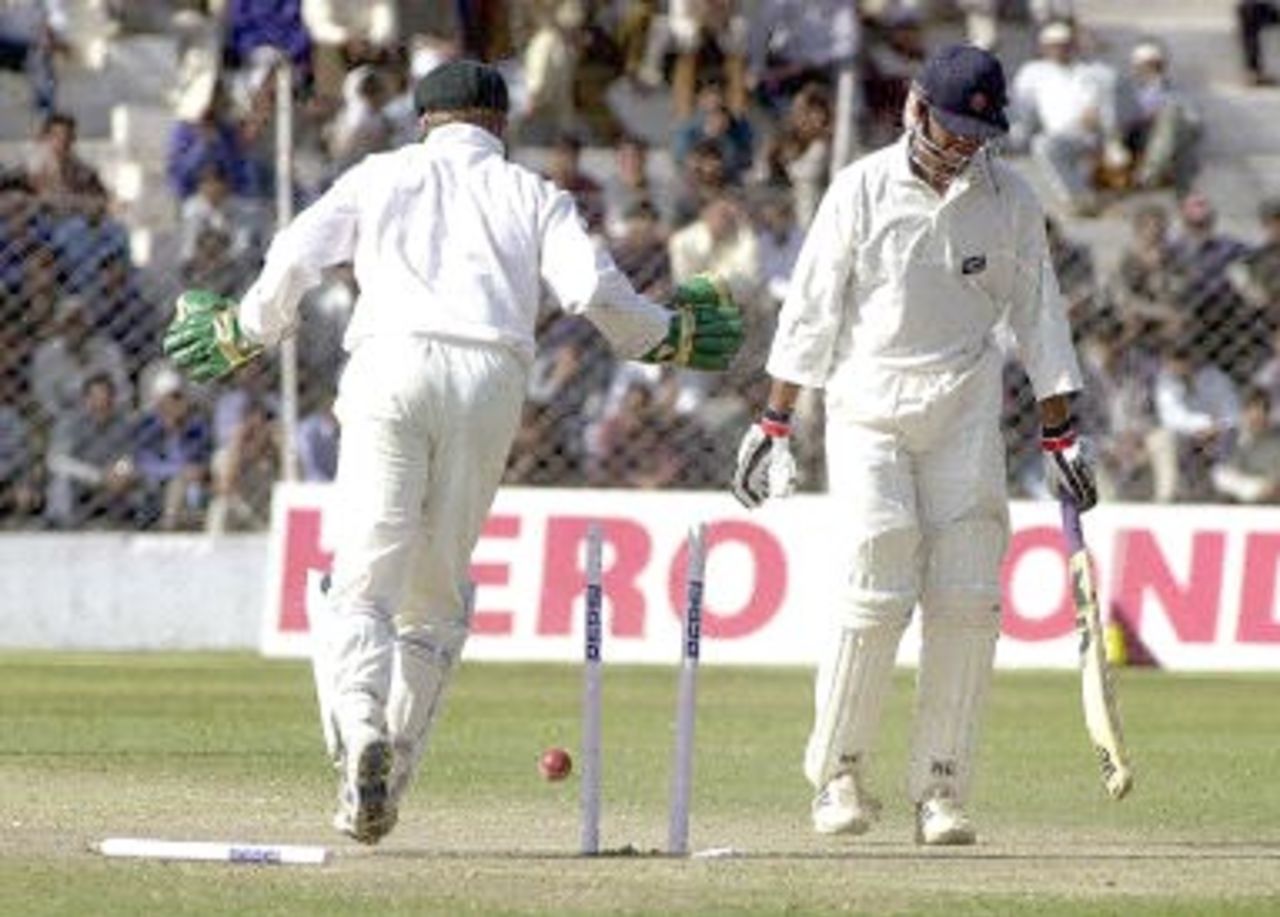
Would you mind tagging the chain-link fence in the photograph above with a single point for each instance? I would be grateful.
(1178, 342)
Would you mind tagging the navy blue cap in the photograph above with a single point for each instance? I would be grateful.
(460, 85)
(964, 86)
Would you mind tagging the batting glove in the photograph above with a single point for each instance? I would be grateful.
(1068, 463)
(705, 330)
(766, 467)
(204, 339)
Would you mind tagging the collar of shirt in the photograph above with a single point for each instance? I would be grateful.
(977, 172)
(462, 135)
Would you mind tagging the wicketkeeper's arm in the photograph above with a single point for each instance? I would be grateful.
(321, 236)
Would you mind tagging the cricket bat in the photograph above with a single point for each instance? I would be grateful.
(1097, 689)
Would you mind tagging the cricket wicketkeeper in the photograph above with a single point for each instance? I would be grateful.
(452, 245)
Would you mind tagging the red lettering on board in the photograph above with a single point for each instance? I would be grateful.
(302, 553)
(491, 622)
(1192, 608)
(1061, 620)
(1258, 613)
(768, 560)
(564, 574)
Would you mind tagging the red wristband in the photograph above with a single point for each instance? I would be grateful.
(1055, 439)
(776, 424)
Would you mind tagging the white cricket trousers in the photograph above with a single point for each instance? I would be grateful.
(427, 424)
(919, 492)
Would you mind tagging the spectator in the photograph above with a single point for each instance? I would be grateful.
(894, 50)
(550, 68)
(31, 35)
(1165, 133)
(484, 26)
(1144, 289)
(714, 121)
(564, 168)
(251, 24)
(206, 134)
(120, 310)
(244, 473)
(600, 66)
(252, 108)
(1250, 471)
(1198, 410)
(318, 437)
(256, 384)
(1065, 109)
(171, 454)
(85, 241)
(640, 252)
(1073, 265)
(1267, 377)
(779, 238)
(62, 363)
(360, 127)
(796, 42)
(345, 33)
(567, 383)
(37, 300)
(58, 175)
(723, 243)
(1117, 407)
(630, 184)
(798, 155)
(530, 463)
(1256, 276)
(631, 447)
(710, 39)
(1252, 16)
(91, 473)
(21, 487)
(982, 17)
(24, 230)
(218, 245)
(633, 33)
(1230, 332)
(702, 177)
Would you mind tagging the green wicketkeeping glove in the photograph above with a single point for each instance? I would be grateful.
(705, 330)
(204, 339)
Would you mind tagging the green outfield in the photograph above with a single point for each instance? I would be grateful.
(227, 747)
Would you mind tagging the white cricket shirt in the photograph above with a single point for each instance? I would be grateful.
(894, 278)
(450, 239)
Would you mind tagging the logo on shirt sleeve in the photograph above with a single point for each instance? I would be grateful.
(974, 264)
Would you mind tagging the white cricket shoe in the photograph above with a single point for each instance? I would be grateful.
(844, 807)
(941, 821)
(365, 810)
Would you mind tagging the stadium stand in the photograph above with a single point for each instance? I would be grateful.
(100, 278)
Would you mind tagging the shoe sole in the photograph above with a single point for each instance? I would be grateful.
(962, 837)
(855, 827)
(374, 817)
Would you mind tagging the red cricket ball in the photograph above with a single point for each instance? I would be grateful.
(555, 764)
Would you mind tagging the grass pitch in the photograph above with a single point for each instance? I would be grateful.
(227, 747)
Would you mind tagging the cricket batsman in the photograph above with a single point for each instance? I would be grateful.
(918, 252)
(452, 246)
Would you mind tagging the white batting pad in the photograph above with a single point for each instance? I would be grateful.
(853, 680)
(956, 656)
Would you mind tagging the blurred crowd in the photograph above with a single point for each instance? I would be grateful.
(1179, 341)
